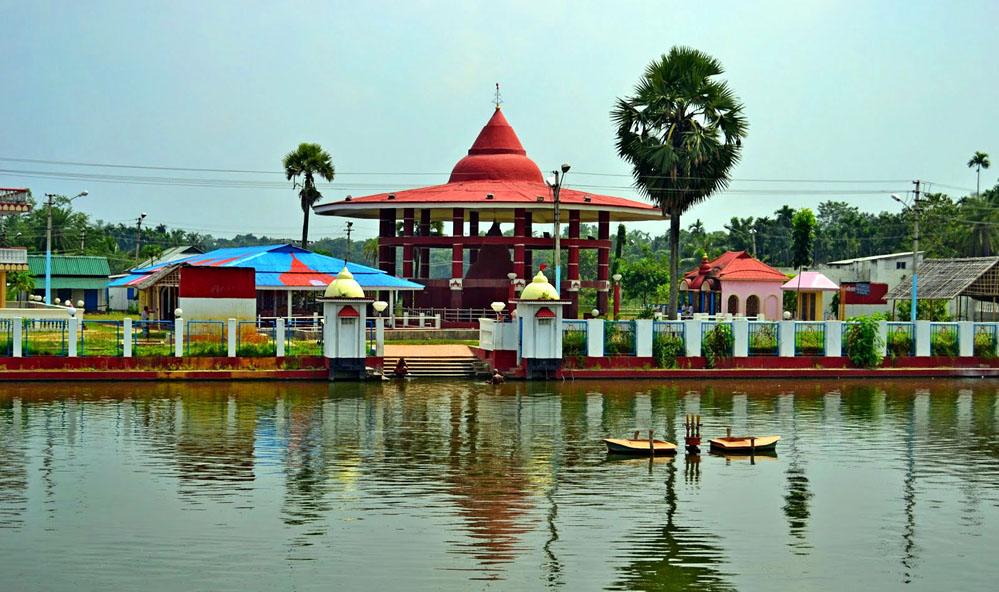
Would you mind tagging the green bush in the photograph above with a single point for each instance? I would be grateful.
(763, 341)
(863, 342)
(985, 345)
(574, 347)
(256, 350)
(899, 342)
(666, 348)
(717, 344)
(618, 342)
(209, 349)
(944, 342)
(648, 312)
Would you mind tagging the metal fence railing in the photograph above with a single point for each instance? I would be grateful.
(708, 327)
(985, 340)
(900, 340)
(943, 339)
(256, 339)
(619, 338)
(101, 338)
(205, 338)
(673, 331)
(304, 338)
(575, 339)
(45, 338)
(764, 339)
(152, 338)
(6, 337)
(809, 338)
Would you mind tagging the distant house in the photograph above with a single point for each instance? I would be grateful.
(124, 298)
(735, 283)
(866, 281)
(73, 278)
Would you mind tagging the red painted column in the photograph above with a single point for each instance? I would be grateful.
(457, 256)
(386, 229)
(528, 253)
(473, 230)
(408, 227)
(603, 263)
(572, 288)
(424, 251)
(518, 246)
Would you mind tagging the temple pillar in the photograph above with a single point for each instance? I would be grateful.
(457, 256)
(473, 230)
(424, 251)
(528, 253)
(518, 246)
(408, 227)
(603, 263)
(572, 312)
(386, 229)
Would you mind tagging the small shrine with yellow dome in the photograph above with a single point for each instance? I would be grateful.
(539, 309)
(345, 318)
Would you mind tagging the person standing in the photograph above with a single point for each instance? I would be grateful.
(144, 318)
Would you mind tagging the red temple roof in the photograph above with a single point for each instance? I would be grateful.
(732, 266)
(496, 176)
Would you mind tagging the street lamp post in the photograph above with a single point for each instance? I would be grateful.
(555, 182)
(48, 244)
(138, 235)
(617, 294)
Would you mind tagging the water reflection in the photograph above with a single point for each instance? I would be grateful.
(458, 481)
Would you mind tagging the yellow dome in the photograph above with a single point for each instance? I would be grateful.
(539, 289)
(344, 286)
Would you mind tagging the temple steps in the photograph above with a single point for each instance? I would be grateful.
(436, 367)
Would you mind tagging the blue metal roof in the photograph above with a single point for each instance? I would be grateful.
(281, 266)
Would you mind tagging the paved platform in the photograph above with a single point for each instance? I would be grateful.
(428, 351)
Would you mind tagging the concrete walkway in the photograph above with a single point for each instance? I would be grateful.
(427, 351)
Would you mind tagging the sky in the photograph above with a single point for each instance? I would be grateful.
(857, 98)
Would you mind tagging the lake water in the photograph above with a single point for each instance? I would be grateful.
(461, 486)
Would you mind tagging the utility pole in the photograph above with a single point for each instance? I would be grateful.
(138, 235)
(83, 239)
(915, 251)
(349, 230)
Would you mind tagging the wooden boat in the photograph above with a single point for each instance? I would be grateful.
(744, 444)
(635, 446)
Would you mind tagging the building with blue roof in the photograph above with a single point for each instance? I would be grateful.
(287, 278)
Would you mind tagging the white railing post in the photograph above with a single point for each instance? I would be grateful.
(692, 337)
(921, 333)
(231, 326)
(786, 348)
(740, 333)
(422, 320)
(126, 337)
(72, 334)
(279, 337)
(595, 338)
(178, 337)
(834, 338)
(966, 339)
(380, 337)
(643, 338)
(17, 330)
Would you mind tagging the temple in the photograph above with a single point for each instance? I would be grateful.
(494, 184)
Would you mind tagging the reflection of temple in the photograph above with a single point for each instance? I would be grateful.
(495, 184)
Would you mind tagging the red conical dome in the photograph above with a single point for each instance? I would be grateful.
(496, 155)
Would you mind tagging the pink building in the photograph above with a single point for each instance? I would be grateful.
(734, 283)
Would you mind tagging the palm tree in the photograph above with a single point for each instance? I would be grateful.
(681, 132)
(308, 160)
(980, 161)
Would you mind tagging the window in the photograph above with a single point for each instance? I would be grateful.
(900, 265)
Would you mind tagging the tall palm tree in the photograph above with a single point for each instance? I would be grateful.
(980, 161)
(681, 132)
(308, 161)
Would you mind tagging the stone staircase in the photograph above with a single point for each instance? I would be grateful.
(439, 367)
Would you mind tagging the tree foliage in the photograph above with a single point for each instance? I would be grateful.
(681, 131)
(308, 161)
(802, 238)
